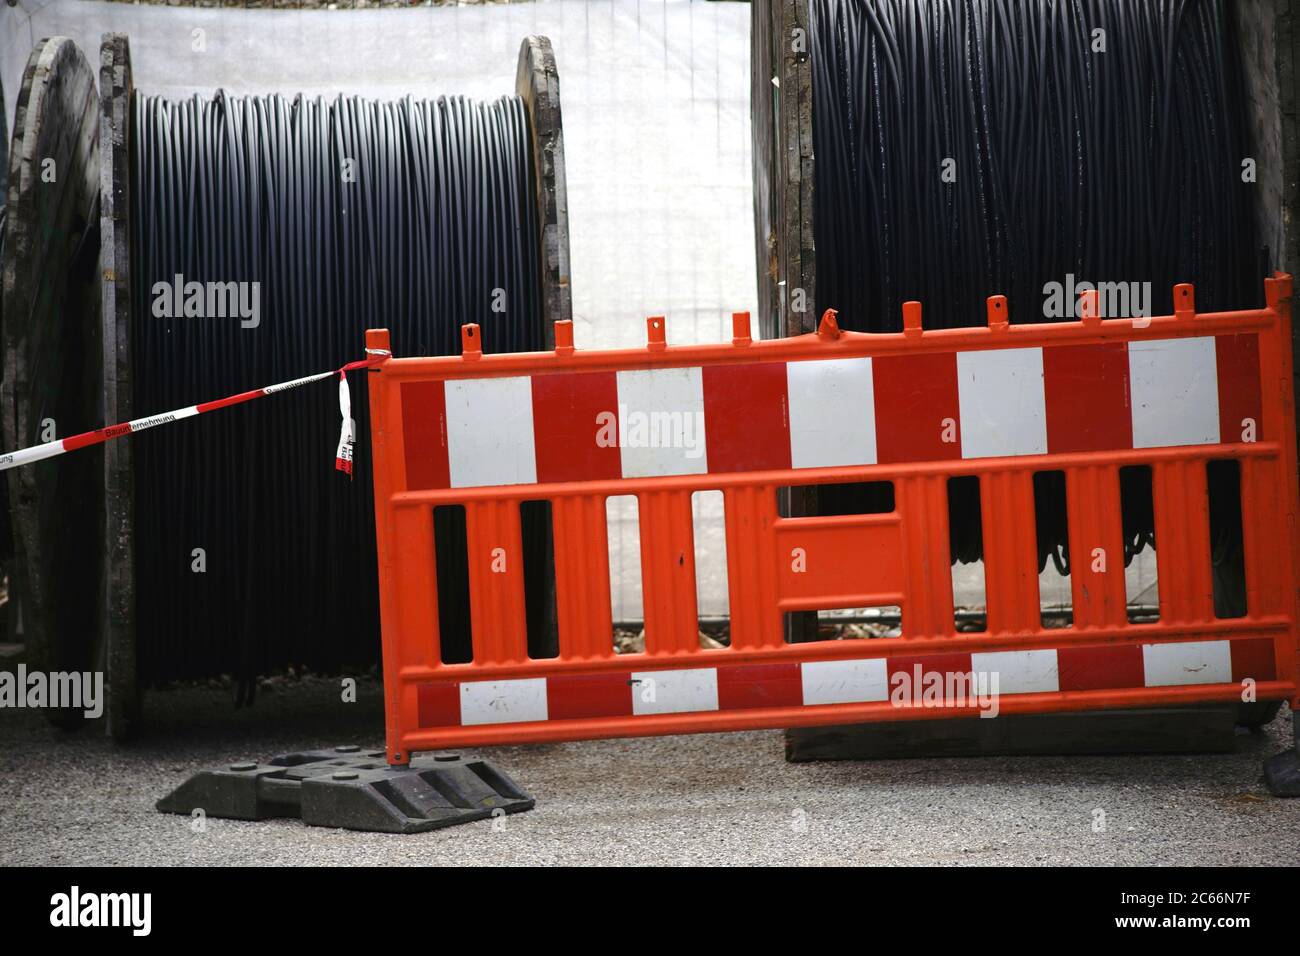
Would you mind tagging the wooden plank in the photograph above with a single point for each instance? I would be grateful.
(116, 89)
(781, 118)
(537, 81)
(1172, 730)
(763, 94)
(52, 356)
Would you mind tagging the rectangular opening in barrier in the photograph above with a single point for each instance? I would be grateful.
(455, 636)
(1141, 583)
(1055, 599)
(836, 498)
(712, 601)
(1228, 564)
(966, 554)
(538, 539)
(848, 623)
(832, 499)
(623, 529)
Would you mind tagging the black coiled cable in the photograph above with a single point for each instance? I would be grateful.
(1123, 165)
(416, 216)
(1115, 166)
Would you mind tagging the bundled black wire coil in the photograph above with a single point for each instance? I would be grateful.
(1115, 166)
(1123, 165)
(417, 216)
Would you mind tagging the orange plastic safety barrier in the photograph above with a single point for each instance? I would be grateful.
(914, 409)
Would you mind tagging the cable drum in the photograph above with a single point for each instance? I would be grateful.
(318, 220)
(967, 148)
(51, 376)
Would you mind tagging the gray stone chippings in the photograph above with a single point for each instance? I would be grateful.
(704, 799)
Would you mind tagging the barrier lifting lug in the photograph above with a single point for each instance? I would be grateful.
(829, 328)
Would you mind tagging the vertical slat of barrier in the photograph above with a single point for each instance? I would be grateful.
(414, 556)
(923, 510)
(668, 572)
(386, 446)
(1096, 546)
(1180, 496)
(582, 577)
(496, 582)
(1269, 514)
(751, 571)
(1261, 501)
(1010, 552)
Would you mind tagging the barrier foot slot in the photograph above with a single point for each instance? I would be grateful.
(353, 789)
(1282, 771)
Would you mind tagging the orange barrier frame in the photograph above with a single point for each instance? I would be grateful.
(1171, 393)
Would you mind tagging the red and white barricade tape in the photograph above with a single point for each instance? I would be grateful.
(342, 461)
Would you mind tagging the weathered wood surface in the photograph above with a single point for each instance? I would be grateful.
(537, 81)
(51, 354)
(116, 89)
(782, 122)
(9, 618)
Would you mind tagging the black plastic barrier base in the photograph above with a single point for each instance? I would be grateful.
(355, 790)
(1282, 771)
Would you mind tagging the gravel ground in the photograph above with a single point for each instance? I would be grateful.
(707, 799)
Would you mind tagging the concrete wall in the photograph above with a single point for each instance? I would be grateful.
(655, 96)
